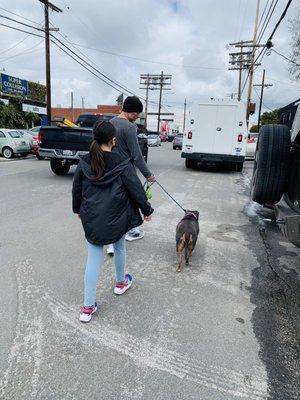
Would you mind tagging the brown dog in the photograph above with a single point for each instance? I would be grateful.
(187, 232)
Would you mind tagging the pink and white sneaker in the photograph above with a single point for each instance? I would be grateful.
(121, 287)
(87, 312)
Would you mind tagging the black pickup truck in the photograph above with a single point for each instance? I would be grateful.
(65, 146)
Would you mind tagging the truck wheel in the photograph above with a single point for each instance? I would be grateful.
(7, 152)
(271, 163)
(58, 167)
(145, 153)
(239, 166)
(189, 163)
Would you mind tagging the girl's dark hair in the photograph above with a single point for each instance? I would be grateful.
(103, 133)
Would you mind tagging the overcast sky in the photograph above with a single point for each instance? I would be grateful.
(186, 38)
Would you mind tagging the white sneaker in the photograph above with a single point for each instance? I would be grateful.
(110, 250)
(87, 312)
(135, 236)
(121, 288)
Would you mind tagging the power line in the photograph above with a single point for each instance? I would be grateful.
(22, 23)
(145, 60)
(21, 30)
(267, 20)
(96, 69)
(288, 59)
(17, 15)
(114, 83)
(24, 52)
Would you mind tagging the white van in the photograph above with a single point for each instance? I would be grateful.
(216, 132)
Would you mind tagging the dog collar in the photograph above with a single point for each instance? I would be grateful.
(194, 215)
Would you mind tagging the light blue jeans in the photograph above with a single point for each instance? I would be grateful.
(94, 265)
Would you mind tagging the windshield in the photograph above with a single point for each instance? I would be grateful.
(15, 134)
(89, 120)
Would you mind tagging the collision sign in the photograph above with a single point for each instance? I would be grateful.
(13, 85)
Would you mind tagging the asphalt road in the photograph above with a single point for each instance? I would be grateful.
(222, 329)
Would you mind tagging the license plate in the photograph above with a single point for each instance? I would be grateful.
(67, 152)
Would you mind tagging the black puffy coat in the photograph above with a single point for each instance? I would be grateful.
(109, 207)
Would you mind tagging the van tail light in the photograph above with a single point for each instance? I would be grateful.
(190, 135)
(240, 137)
(40, 138)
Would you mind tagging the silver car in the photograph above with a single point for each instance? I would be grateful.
(12, 142)
(154, 140)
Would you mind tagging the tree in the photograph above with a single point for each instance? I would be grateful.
(294, 69)
(119, 100)
(254, 128)
(11, 117)
(269, 118)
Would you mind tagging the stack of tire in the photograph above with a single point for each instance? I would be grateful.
(273, 167)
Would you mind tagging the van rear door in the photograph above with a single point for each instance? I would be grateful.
(224, 129)
(204, 131)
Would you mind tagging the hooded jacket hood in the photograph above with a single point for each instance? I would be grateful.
(105, 179)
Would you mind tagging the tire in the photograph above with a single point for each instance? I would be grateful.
(239, 166)
(39, 157)
(145, 153)
(7, 152)
(58, 168)
(271, 164)
(189, 163)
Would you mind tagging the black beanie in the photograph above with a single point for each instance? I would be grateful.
(132, 104)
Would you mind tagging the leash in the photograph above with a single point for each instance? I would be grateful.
(167, 193)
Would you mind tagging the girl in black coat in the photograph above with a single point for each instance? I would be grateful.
(108, 197)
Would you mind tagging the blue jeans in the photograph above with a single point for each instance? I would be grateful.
(94, 265)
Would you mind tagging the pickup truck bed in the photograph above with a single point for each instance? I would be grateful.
(65, 146)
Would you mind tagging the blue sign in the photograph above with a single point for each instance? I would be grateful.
(44, 120)
(12, 85)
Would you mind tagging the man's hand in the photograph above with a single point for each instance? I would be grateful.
(151, 178)
(147, 218)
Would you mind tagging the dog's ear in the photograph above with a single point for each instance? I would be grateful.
(196, 213)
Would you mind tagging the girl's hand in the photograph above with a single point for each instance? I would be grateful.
(147, 218)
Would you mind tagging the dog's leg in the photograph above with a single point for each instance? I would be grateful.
(180, 253)
(188, 250)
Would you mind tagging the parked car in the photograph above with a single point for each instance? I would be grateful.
(177, 142)
(35, 129)
(154, 140)
(171, 136)
(12, 142)
(163, 137)
(32, 136)
(251, 145)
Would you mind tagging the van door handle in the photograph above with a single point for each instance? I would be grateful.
(219, 129)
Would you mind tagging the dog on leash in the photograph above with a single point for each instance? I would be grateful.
(187, 232)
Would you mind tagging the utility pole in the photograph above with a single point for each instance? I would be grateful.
(72, 106)
(47, 4)
(82, 103)
(251, 69)
(263, 85)
(159, 102)
(184, 115)
(155, 82)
